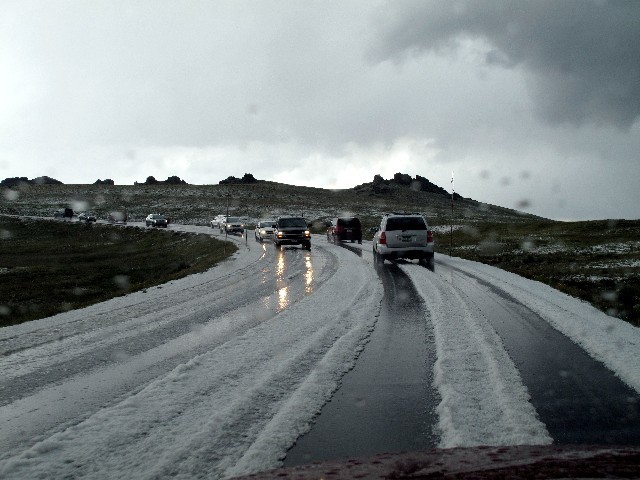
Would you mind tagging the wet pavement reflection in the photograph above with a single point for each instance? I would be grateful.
(386, 403)
(293, 274)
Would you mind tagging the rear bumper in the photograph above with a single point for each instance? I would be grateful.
(407, 252)
(348, 236)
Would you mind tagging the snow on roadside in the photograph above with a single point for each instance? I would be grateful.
(234, 409)
(484, 401)
(612, 341)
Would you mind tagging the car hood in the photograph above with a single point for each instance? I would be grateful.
(524, 461)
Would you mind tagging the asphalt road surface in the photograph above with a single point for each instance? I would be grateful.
(297, 356)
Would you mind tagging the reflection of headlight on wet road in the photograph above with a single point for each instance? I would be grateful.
(283, 298)
(308, 275)
(280, 266)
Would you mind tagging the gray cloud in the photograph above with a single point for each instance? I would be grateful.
(328, 93)
(582, 56)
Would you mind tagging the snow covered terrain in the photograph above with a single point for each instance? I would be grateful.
(217, 375)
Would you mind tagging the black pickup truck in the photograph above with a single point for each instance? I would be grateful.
(292, 231)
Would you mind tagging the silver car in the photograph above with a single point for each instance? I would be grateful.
(232, 225)
(404, 236)
(264, 229)
(218, 221)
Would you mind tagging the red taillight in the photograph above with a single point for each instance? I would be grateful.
(429, 236)
(383, 238)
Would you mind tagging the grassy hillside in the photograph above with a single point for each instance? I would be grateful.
(198, 204)
(597, 261)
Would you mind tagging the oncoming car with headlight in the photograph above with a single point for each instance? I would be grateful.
(264, 230)
(156, 220)
(232, 225)
(292, 231)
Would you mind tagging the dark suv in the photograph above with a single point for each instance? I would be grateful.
(292, 231)
(345, 228)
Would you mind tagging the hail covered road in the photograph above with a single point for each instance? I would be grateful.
(273, 355)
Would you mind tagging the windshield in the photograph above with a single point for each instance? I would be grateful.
(292, 222)
(464, 271)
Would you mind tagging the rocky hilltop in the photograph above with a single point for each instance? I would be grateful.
(198, 204)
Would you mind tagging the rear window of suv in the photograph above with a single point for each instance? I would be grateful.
(406, 223)
(349, 222)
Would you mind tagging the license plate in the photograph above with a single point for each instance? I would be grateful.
(404, 238)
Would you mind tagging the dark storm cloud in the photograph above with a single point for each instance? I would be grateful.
(582, 56)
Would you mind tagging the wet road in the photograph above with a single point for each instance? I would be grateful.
(56, 377)
(579, 400)
(387, 402)
(269, 337)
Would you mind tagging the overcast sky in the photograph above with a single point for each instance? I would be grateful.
(533, 105)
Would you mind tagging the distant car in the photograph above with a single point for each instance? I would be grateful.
(117, 217)
(345, 228)
(156, 220)
(218, 221)
(264, 230)
(63, 213)
(86, 217)
(292, 231)
(232, 225)
(404, 236)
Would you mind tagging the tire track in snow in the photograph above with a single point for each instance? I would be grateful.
(243, 402)
(484, 401)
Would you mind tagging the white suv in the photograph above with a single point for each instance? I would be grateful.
(404, 235)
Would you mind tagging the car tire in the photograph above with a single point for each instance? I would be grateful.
(429, 262)
(307, 246)
(378, 259)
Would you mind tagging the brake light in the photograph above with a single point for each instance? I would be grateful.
(429, 236)
(383, 238)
